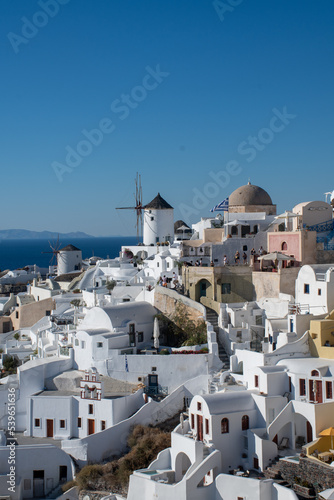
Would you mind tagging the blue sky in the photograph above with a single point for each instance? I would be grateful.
(178, 90)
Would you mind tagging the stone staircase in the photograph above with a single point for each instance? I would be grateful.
(212, 317)
(273, 472)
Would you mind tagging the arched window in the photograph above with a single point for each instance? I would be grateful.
(284, 245)
(245, 423)
(224, 426)
(314, 373)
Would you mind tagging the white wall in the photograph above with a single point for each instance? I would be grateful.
(29, 458)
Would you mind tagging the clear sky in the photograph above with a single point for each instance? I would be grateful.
(197, 96)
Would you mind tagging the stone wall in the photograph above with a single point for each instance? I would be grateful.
(165, 300)
(319, 474)
(324, 256)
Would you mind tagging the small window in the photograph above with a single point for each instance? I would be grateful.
(17, 314)
(306, 288)
(314, 373)
(226, 288)
(47, 313)
(90, 409)
(79, 422)
(192, 421)
(37, 422)
(206, 426)
(154, 369)
(319, 291)
(244, 248)
(62, 424)
(224, 426)
(158, 264)
(140, 336)
(290, 384)
(83, 344)
(199, 406)
(99, 344)
(329, 390)
(167, 265)
(256, 381)
(245, 423)
(103, 425)
(76, 342)
(284, 246)
(152, 218)
(302, 387)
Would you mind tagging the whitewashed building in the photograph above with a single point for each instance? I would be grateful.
(315, 289)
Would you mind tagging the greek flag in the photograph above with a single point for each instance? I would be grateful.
(222, 206)
(126, 363)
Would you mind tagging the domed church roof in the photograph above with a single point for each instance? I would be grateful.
(249, 195)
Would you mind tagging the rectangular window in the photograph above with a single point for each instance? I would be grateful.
(79, 421)
(329, 390)
(199, 406)
(206, 426)
(90, 409)
(192, 421)
(319, 291)
(103, 425)
(76, 342)
(62, 424)
(83, 344)
(302, 387)
(140, 336)
(154, 369)
(99, 344)
(37, 422)
(47, 313)
(306, 288)
(226, 288)
(290, 384)
(256, 381)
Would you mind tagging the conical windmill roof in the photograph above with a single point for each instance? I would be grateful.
(158, 203)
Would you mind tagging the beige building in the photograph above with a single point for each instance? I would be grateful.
(28, 314)
(212, 285)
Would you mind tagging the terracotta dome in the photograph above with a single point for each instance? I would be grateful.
(249, 195)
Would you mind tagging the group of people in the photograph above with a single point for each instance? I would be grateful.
(238, 256)
(163, 280)
(198, 263)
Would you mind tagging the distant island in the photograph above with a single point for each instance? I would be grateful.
(24, 234)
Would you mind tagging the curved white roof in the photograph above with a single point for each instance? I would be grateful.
(229, 402)
(111, 317)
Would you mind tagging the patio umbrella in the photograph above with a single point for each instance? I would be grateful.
(156, 333)
(328, 432)
(276, 256)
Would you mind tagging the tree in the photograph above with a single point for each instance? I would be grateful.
(111, 285)
(16, 336)
(76, 303)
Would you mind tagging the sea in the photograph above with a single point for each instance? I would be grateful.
(18, 253)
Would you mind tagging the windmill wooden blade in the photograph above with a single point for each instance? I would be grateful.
(138, 195)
